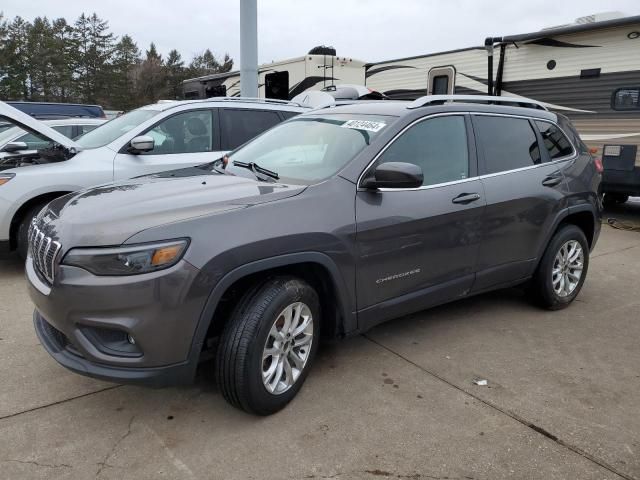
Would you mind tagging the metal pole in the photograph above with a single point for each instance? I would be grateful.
(249, 48)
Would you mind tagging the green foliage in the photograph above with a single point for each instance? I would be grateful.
(84, 62)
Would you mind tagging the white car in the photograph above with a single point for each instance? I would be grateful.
(155, 138)
(14, 139)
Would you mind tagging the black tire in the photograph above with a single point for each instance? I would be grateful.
(611, 199)
(239, 363)
(541, 286)
(22, 242)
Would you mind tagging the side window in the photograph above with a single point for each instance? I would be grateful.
(187, 132)
(35, 142)
(507, 143)
(240, 126)
(554, 140)
(437, 145)
(66, 130)
(287, 115)
(627, 98)
(86, 128)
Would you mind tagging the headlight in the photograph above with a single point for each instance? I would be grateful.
(5, 177)
(129, 260)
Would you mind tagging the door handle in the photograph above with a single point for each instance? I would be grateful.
(552, 180)
(465, 198)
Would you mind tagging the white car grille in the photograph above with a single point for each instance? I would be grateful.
(44, 251)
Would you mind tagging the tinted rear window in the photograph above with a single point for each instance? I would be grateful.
(554, 140)
(240, 126)
(507, 143)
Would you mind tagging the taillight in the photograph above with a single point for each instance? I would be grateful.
(598, 163)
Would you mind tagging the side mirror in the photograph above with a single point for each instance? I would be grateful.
(13, 147)
(394, 175)
(141, 144)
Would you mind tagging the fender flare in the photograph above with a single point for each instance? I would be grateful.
(562, 215)
(206, 316)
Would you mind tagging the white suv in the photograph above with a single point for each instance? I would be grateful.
(158, 137)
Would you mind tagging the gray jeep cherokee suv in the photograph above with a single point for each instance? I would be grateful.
(328, 224)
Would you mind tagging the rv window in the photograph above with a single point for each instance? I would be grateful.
(507, 143)
(626, 99)
(554, 140)
(440, 85)
(239, 126)
(276, 85)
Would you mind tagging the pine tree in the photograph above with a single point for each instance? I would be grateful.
(15, 79)
(152, 76)
(175, 74)
(95, 48)
(126, 63)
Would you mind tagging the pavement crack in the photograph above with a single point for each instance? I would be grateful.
(510, 414)
(59, 402)
(33, 462)
(103, 463)
(385, 474)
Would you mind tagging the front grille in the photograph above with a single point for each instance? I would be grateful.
(44, 251)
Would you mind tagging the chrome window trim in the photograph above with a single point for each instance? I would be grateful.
(464, 180)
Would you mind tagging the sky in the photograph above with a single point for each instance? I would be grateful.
(368, 30)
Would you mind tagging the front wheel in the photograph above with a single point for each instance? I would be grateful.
(268, 345)
(23, 229)
(563, 269)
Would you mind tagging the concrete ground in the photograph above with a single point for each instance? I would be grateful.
(562, 399)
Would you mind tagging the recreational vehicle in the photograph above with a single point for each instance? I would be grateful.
(590, 71)
(283, 80)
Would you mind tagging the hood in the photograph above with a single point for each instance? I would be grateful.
(110, 214)
(29, 123)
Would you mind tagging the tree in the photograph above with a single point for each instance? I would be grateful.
(206, 64)
(152, 76)
(53, 60)
(125, 64)
(175, 74)
(64, 47)
(95, 48)
(15, 72)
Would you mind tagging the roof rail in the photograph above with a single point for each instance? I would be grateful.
(495, 100)
(251, 99)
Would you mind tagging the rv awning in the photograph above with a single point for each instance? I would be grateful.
(552, 32)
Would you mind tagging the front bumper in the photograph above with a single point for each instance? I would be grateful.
(78, 317)
(58, 346)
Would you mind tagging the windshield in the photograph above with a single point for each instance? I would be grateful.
(310, 149)
(115, 128)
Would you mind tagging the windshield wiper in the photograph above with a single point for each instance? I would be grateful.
(255, 168)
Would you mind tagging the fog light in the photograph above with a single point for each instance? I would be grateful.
(131, 340)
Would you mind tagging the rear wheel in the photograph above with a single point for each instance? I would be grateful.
(267, 348)
(563, 269)
(22, 242)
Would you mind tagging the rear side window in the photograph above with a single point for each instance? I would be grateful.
(555, 141)
(437, 145)
(66, 130)
(507, 143)
(240, 126)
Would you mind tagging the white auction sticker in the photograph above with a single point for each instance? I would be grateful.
(368, 125)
